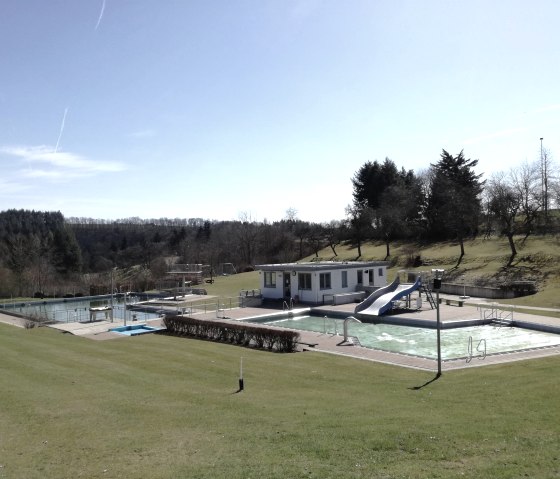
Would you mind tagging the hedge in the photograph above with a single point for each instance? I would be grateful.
(281, 340)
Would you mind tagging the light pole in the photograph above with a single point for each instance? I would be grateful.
(544, 186)
(438, 274)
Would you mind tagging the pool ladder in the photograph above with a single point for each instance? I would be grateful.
(482, 342)
(288, 306)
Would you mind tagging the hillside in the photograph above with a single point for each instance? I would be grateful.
(484, 263)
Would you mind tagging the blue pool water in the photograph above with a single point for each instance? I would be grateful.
(135, 329)
(455, 343)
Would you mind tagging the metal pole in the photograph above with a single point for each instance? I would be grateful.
(543, 199)
(438, 335)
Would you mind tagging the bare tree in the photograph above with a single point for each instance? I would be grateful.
(291, 214)
(546, 168)
(333, 234)
(504, 206)
(525, 182)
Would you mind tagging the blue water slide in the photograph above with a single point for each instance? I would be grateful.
(381, 301)
(376, 294)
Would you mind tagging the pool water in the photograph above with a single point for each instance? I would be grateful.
(135, 329)
(455, 343)
(72, 310)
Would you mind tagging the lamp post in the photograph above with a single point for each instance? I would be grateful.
(544, 185)
(438, 274)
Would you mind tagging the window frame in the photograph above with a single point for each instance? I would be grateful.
(304, 282)
(270, 279)
(325, 281)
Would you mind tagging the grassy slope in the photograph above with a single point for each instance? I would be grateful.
(164, 407)
(485, 261)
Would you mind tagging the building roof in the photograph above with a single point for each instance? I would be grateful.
(321, 265)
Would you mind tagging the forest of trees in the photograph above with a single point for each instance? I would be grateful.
(43, 253)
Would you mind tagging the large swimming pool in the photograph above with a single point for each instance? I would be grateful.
(78, 310)
(475, 341)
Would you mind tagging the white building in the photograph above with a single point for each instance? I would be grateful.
(324, 282)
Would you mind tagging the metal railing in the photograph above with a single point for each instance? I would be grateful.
(480, 350)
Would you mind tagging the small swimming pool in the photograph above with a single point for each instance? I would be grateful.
(455, 343)
(135, 329)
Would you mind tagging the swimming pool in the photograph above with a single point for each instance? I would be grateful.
(135, 329)
(77, 310)
(456, 343)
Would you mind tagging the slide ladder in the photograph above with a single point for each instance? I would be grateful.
(424, 289)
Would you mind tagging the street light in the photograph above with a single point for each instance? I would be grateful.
(544, 186)
(438, 274)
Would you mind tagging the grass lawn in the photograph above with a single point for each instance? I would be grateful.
(157, 406)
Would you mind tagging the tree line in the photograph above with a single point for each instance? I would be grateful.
(45, 253)
(450, 201)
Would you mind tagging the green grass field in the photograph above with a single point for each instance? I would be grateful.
(164, 407)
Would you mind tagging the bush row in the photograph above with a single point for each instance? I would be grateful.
(244, 334)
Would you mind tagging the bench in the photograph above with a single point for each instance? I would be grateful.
(451, 302)
(345, 298)
(311, 345)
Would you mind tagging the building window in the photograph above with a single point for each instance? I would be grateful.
(360, 276)
(325, 281)
(345, 279)
(371, 276)
(380, 272)
(304, 281)
(270, 279)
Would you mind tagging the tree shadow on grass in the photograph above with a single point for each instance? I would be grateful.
(435, 378)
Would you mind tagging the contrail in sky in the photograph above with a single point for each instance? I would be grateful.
(100, 15)
(61, 129)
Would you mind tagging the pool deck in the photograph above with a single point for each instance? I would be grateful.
(333, 344)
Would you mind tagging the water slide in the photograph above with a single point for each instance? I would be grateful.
(380, 301)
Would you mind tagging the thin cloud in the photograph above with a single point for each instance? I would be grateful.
(64, 163)
(61, 129)
(497, 134)
(100, 15)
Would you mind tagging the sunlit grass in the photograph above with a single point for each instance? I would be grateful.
(165, 407)
(485, 262)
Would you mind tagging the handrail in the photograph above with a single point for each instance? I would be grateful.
(287, 306)
(470, 349)
(479, 350)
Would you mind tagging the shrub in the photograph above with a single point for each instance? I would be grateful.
(236, 333)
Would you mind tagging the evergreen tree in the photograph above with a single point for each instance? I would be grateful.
(454, 205)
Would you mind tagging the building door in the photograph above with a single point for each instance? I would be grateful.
(287, 285)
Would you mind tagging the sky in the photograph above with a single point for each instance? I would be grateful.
(230, 109)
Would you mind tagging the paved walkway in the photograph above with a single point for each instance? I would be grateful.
(326, 343)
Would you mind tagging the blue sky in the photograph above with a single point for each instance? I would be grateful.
(222, 108)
